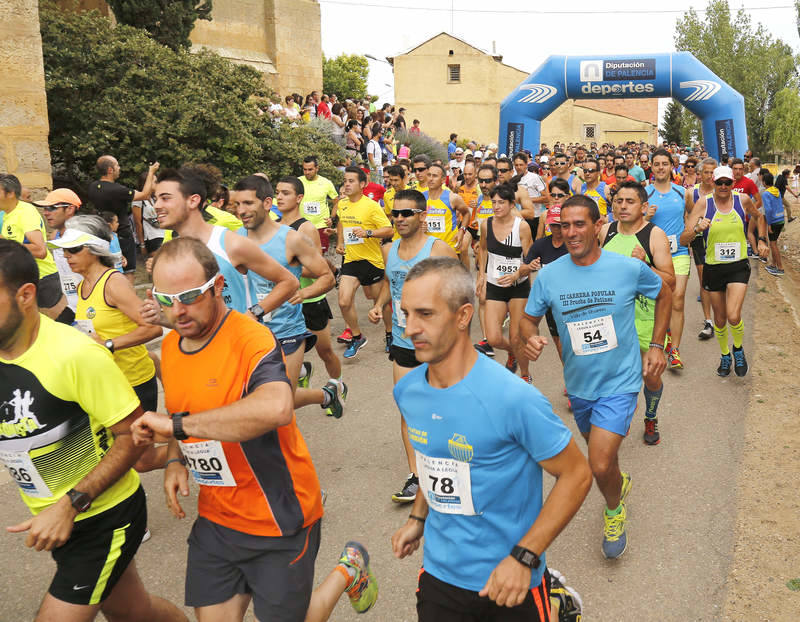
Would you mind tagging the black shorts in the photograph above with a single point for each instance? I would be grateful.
(504, 294)
(475, 233)
(717, 276)
(698, 247)
(151, 246)
(438, 601)
(774, 231)
(48, 292)
(363, 270)
(533, 223)
(147, 392)
(403, 357)
(98, 551)
(128, 248)
(317, 314)
(278, 571)
(551, 323)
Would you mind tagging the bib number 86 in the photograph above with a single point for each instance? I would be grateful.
(445, 484)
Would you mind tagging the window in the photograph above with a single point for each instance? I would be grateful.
(589, 132)
(454, 73)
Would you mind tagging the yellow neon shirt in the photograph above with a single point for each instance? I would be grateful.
(367, 214)
(22, 219)
(315, 206)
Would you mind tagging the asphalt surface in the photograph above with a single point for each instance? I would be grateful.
(681, 508)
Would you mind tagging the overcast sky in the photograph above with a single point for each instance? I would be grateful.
(524, 35)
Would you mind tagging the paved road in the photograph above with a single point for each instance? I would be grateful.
(681, 508)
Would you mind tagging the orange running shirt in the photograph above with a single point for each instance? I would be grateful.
(276, 490)
(471, 199)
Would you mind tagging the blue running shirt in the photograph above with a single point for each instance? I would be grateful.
(669, 215)
(594, 309)
(396, 271)
(478, 445)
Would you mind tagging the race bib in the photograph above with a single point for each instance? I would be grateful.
(69, 284)
(398, 312)
(312, 208)
(435, 224)
(504, 266)
(592, 336)
(207, 463)
(447, 484)
(727, 251)
(85, 326)
(24, 473)
(350, 237)
(673, 243)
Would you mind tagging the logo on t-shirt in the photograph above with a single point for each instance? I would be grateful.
(91, 313)
(16, 417)
(459, 448)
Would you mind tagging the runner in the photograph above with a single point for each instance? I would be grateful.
(23, 223)
(698, 246)
(316, 311)
(667, 211)
(487, 180)
(448, 215)
(744, 185)
(505, 241)
(403, 254)
(774, 215)
(258, 530)
(595, 189)
(536, 188)
(66, 443)
(631, 236)
(469, 191)
(320, 200)
(361, 225)
(592, 294)
(490, 434)
(522, 200)
(398, 180)
(721, 218)
(420, 164)
(295, 252)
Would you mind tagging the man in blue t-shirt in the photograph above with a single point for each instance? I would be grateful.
(482, 437)
(592, 294)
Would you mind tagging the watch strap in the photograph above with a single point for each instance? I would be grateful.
(526, 557)
(177, 426)
(81, 501)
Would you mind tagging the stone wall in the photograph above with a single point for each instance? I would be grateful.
(23, 105)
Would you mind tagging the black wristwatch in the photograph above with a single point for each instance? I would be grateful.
(258, 311)
(110, 345)
(525, 557)
(369, 233)
(81, 501)
(177, 426)
(760, 239)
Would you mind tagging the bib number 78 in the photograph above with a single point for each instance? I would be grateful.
(445, 484)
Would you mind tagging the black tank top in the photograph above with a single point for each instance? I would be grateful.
(643, 235)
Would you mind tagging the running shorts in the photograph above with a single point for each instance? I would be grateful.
(147, 392)
(613, 413)
(774, 231)
(290, 345)
(277, 571)
(551, 323)
(324, 240)
(404, 357)
(98, 551)
(717, 276)
(438, 601)
(698, 247)
(153, 244)
(682, 264)
(128, 248)
(475, 233)
(48, 292)
(317, 314)
(363, 270)
(505, 294)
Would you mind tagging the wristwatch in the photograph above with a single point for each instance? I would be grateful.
(177, 426)
(110, 345)
(369, 233)
(81, 501)
(760, 239)
(525, 557)
(258, 311)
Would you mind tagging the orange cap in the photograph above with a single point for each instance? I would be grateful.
(60, 195)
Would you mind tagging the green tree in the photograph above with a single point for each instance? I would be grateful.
(672, 126)
(745, 55)
(783, 121)
(346, 76)
(169, 23)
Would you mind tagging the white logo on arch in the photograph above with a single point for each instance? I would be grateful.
(703, 89)
(539, 93)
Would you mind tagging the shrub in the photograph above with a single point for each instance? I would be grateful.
(422, 143)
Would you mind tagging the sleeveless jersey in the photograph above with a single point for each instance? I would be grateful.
(773, 205)
(483, 210)
(305, 281)
(442, 218)
(670, 215)
(109, 322)
(598, 195)
(503, 257)
(287, 320)
(396, 271)
(726, 237)
(235, 293)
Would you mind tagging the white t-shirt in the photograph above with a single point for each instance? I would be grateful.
(374, 148)
(533, 184)
(149, 220)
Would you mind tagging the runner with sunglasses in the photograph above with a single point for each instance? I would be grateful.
(414, 245)
(721, 218)
(59, 206)
(595, 189)
(420, 165)
(487, 180)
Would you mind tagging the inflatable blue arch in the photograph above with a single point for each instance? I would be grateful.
(679, 75)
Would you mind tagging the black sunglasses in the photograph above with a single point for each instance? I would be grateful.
(723, 182)
(405, 213)
(420, 170)
(558, 195)
(688, 166)
(74, 250)
(590, 170)
(503, 170)
(485, 180)
(55, 206)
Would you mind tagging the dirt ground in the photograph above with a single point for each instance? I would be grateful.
(764, 580)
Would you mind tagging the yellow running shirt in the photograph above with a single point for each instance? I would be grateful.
(57, 403)
(367, 214)
(23, 218)
(109, 322)
(388, 204)
(442, 219)
(315, 206)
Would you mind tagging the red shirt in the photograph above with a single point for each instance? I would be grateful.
(374, 191)
(746, 186)
(323, 110)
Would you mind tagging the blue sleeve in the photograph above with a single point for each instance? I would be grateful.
(114, 244)
(538, 300)
(535, 426)
(242, 232)
(649, 283)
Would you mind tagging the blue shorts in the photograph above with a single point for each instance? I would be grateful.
(613, 413)
(290, 345)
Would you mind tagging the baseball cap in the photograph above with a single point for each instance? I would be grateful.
(478, 154)
(73, 238)
(459, 150)
(544, 159)
(455, 164)
(723, 172)
(683, 158)
(59, 195)
(553, 215)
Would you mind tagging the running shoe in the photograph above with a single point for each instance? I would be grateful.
(762, 259)
(363, 591)
(724, 368)
(739, 362)
(566, 605)
(345, 337)
(388, 342)
(627, 484)
(674, 359)
(355, 345)
(324, 495)
(147, 535)
(774, 271)
(334, 407)
(615, 540)
(651, 435)
(305, 380)
(484, 347)
(668, 344)
(707, 332)
(750, 252)
(527, 379)
(511, 364)
(409, 490)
